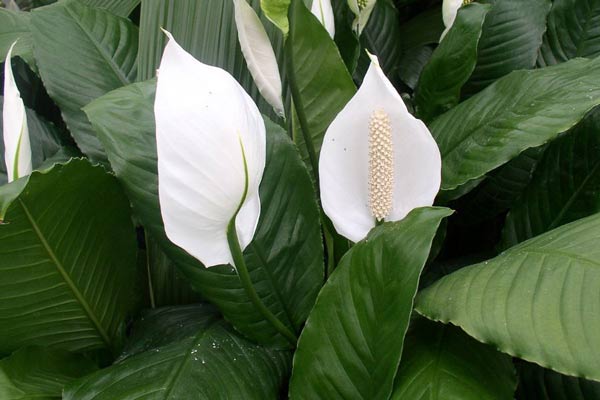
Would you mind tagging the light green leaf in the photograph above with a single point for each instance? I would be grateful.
(353, 339)
(511, 38)
(67, 260)
(538, 301)
(522, 110)
(39, 373)
(442, 362)
(277, 12)
(573, 31)
(83, 53)
(319, 81)
(564, 187)
(286, 257)
(451, 64)
(183, 353)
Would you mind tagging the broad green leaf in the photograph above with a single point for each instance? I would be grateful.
(40, 373)
(451, 64)
(424, 29)
(187, 352)
(319, 81)
(442, 362)
(121, 8)
(286, 257)
(44, 138)
(538, 301)
(412, 64)
(564, 187)
(15, 25)
(522, 110)
(512, 35)
(353, 339)
(207, 30)
(67, 260)
(543, 384)
(277, 12)
(573, 31)
(82, 53)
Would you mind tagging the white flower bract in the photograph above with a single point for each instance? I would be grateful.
(324, 12)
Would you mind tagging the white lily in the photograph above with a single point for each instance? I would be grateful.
(449, 11)
(17, 147)
(258, 52)
(362, 9)
(377, 162)
(211, 148)
(324, 12)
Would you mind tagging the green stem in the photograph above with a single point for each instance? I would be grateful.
(242, 269)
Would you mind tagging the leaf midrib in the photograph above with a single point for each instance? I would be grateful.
(61, 270)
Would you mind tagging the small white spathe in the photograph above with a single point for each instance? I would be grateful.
(211, 149)
(17, 147)
(344, 163)
(258, 52)
(324, 12)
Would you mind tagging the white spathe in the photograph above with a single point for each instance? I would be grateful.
(17, 147)
(344, 159)
(449, 11)
(258, 52)
(362, 9)
(206, 127)
(324, 12)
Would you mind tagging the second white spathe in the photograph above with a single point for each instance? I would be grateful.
(323, 10)
(345, 165)
(211, 147)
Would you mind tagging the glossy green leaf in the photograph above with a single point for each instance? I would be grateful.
(522, 110)
(40, 373)
(44, 137)
(543, 384)
(353, 339)
(187, 352)
(512, 35)
(118, 7)
(67, 260)
(82, 53)
(538, 301)
(442, 362)
(564, 187)
(207, 30)
(573, 31)
(319, 81)
(277, 12)
(286, 257)
(15, 25)
(451, 64)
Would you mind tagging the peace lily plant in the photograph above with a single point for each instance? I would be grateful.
(377, 162)
(17, 148)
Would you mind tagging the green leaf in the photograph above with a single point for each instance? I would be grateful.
(40, 373)
(564, 187)
(537, 301)
(424, 29)
(412, 64)
(67, 260)
(15, 25)
(451, 64)
(543, 384)
(512, 35)
(43, 136)
(442, 362)
(522, 110)
(319, 81)
(207, 30)
(346, 38)
(277, 12)
(352, 342)
(285, 259)
(121, 8)
(573, 31)
(82, 53)
(187, 352)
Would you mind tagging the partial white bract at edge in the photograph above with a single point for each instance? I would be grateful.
(209, 132)
(324, 12)
(259, 54)
(344, 160)
(17, 147)
(449, 11)
(362, 9)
